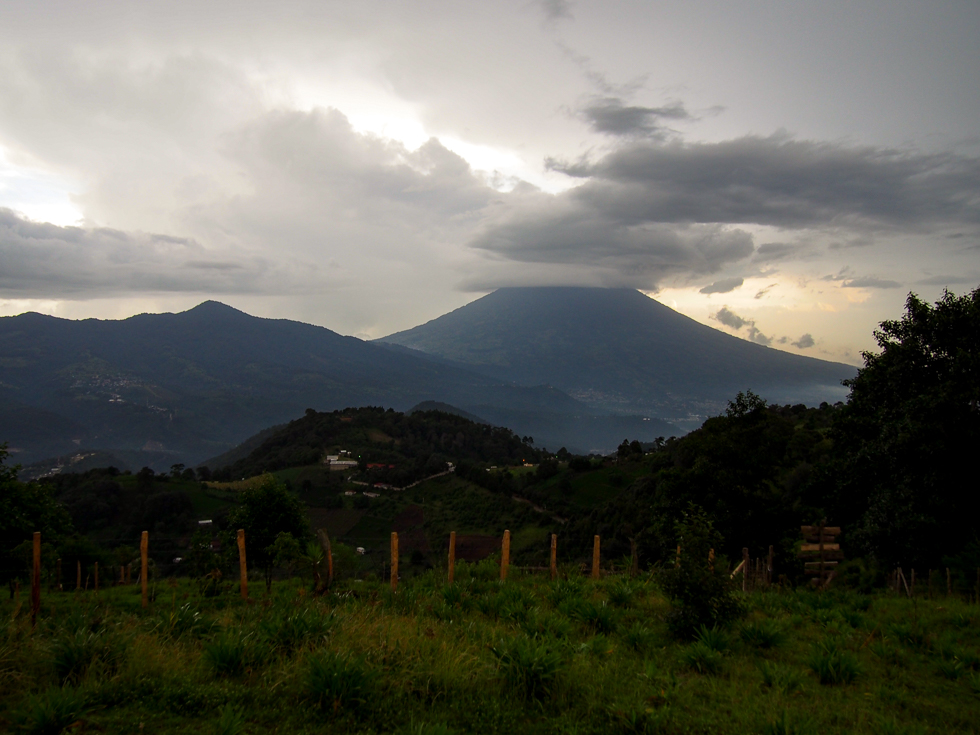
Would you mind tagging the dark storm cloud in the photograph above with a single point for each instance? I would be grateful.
(560, 230)
(870, 282)
(730, 319)
(555, 10)
(849, 280)
(781, 182)
(804, 342)
(725, 285)
(770, 251)
(948, 280)
(610, 116)
(653, 210)
(39, 259)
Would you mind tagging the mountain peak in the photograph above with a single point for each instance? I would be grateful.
(211, 310)
(616, 348)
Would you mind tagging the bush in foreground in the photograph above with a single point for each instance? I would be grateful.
(701, 594)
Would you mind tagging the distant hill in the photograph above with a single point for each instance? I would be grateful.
(446, 408)
(189, 386)
(398, 448)
(618, 350)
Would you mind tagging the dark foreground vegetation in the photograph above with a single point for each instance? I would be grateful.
(481, 656)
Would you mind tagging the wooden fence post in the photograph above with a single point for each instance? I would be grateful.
(554, 557)
(711, 560)
(394, 561)
(504, 556)
(324, 538)
(595, 557)
(452, 556)
(677, 561)
(78, 576)
(144, 545)
(242, 565)
(36, 580)
(745, 569)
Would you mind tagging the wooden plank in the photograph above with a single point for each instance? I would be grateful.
(816, 555)
(745, 569)
(817, 547)
(394, 561)
(452, 556)
(242, 566)
(504, 556)
(144, 544)
(554, 556)
(816, 539)
(36, 579)
(595, 558)
(828, 530)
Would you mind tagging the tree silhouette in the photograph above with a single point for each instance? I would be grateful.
(906, 438)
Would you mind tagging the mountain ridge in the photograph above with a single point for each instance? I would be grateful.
(195, 384)
(616, 349)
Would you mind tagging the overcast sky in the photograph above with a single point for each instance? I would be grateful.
(784, 172)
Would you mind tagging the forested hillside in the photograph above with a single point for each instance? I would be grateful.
(405, 447)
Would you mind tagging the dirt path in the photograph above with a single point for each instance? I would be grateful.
(539, 509)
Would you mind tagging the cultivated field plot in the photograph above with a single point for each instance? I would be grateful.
(481, 656)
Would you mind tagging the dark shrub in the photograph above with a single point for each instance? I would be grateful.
(700, 595)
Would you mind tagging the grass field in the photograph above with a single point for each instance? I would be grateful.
(525, 656)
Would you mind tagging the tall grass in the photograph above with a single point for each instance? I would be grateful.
(50, 712)
(530, 668)
(832, 664)
(338, 682)
(358, 660)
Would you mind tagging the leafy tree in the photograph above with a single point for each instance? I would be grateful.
(905, 440)
(285, 551)
(701, 593)
(747, 471)
(24, 509)
(745, 404)
(144, 478)
(268, 509)
(546, 469)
